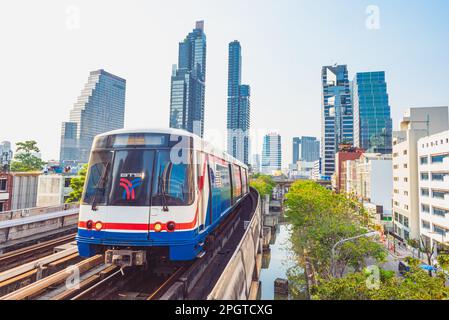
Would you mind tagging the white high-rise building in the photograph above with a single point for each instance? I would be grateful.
(271, 153)
(433, 170)
(416, 123)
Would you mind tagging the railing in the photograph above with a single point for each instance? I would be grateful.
(235, 283)
(29, 212)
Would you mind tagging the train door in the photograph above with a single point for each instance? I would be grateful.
(214, 205)
(204, 190)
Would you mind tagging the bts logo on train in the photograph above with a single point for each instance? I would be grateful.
(149, 191)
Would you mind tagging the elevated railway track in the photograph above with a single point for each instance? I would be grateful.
(64, 275)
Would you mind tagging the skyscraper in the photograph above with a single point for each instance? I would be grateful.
(372, 118)
(100, 108)
(271, 153)
(296, 142)
(188, 83)
(306, 149)
(337, 124)
(238, 122)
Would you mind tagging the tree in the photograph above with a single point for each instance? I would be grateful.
(263, 184)
(77, 185)
(428, 249)
(415, 285)
(443, 261)
(24, 160)
(320, 218)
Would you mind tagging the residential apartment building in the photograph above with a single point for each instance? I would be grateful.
(433, 171)
(346, 152)
(416, 124)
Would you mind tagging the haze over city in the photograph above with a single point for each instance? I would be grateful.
(46, 60)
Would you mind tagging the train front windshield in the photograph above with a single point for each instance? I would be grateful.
(138, 177)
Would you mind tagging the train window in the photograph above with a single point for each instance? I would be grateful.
(97, 178)
(172, 182)
(139, 139)
(222, 180)
(244, 181)
(237, 182)
(131, 178)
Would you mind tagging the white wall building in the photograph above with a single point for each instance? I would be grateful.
(316, 171)
(301, 170)
(416, 123)
(53, 189)
(369, 177)
(433, 164)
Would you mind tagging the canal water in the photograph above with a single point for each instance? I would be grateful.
(276, 262)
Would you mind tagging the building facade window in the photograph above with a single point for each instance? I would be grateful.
(425, 192)
(3, 184)
(440, 212)
(424, 176)
(439, 158)
(438, 176)
(440, 230)
(425, 224)
(424, 160)
(438, 194)
(406, 222)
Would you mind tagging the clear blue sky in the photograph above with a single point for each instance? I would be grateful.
(45, 64)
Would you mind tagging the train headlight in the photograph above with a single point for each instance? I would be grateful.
(89, 224)
(98, 225)
(157, 227)
(171, 226)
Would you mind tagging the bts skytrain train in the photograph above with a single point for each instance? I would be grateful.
(153, 189)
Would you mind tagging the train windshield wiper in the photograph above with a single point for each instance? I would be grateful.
(100, 187)
(161, 192)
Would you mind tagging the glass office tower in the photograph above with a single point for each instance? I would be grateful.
(337, 123)
(188, 83)
(100, 108)
(238, 121)
(372, 118)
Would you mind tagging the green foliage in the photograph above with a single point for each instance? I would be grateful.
(321, 218)
(77, 185)
(416, 285)
(263, 184)
(443, 261)
(24, 161)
